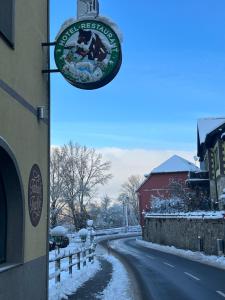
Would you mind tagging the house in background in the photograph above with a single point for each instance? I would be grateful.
(211, 153)
(157, 184)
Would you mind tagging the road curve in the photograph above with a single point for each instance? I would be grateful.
(164, 276)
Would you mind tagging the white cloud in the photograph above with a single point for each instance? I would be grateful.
(126, 162)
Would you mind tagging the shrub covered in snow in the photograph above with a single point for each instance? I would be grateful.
(58, 231)
(181, 199)
(175, 204)
(171, 205)
(89, 223)
(83, 233)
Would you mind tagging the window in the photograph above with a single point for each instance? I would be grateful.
(217, 159)
(3, 218)
(7, 20)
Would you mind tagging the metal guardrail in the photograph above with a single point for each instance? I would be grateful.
(76, 258)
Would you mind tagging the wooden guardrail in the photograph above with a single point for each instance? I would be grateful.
(77, 258)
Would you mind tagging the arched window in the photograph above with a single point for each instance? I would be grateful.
(11, 208)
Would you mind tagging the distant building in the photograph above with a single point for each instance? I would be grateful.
(88, 8)
(24, 150)
(211, 153)
(158, 181)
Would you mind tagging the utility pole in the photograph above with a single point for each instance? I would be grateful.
(125, 201)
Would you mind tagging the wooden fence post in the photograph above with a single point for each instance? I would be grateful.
(90, 255)
(81, 258)
(84, 258)
(57, 270)
(70, 264)
(78, 260)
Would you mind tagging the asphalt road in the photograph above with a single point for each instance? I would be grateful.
(163, 276)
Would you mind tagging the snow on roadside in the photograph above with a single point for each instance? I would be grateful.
(189, 215)
(68, 284)
(212, 260)
(119, 286)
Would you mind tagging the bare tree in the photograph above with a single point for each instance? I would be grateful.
(107, 214)
(83, 172)
(129, 189)
(105, 203)
(56, 185)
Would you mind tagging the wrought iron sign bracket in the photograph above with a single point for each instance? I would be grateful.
(49, 44)
(50, 71)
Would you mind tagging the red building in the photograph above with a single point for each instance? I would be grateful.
(158, 181)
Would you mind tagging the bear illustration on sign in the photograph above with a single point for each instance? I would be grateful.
(89, 45)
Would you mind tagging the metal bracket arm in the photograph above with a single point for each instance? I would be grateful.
(48, 44)
(50, 71)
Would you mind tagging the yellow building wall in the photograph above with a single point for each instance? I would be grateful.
(21, 70)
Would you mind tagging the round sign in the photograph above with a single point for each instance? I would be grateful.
(35, 195)
(88, 54)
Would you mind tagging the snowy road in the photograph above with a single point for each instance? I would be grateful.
(163, 276)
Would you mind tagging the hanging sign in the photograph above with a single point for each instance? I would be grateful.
(88, 53)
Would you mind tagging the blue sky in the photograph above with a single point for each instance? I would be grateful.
(173, 72)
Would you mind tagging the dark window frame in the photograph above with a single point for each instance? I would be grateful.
(3, 222)
(10, 40)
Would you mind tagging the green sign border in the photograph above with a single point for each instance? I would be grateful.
(113, 40)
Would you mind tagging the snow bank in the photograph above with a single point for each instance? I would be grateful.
(212, 260)
(119, 286)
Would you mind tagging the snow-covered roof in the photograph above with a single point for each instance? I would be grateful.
(175, 164)
(207, 125)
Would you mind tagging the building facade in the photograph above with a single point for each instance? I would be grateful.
(211, 153)
(24, 150)
(158, 183)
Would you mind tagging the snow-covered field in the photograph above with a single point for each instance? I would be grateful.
(216, 261)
